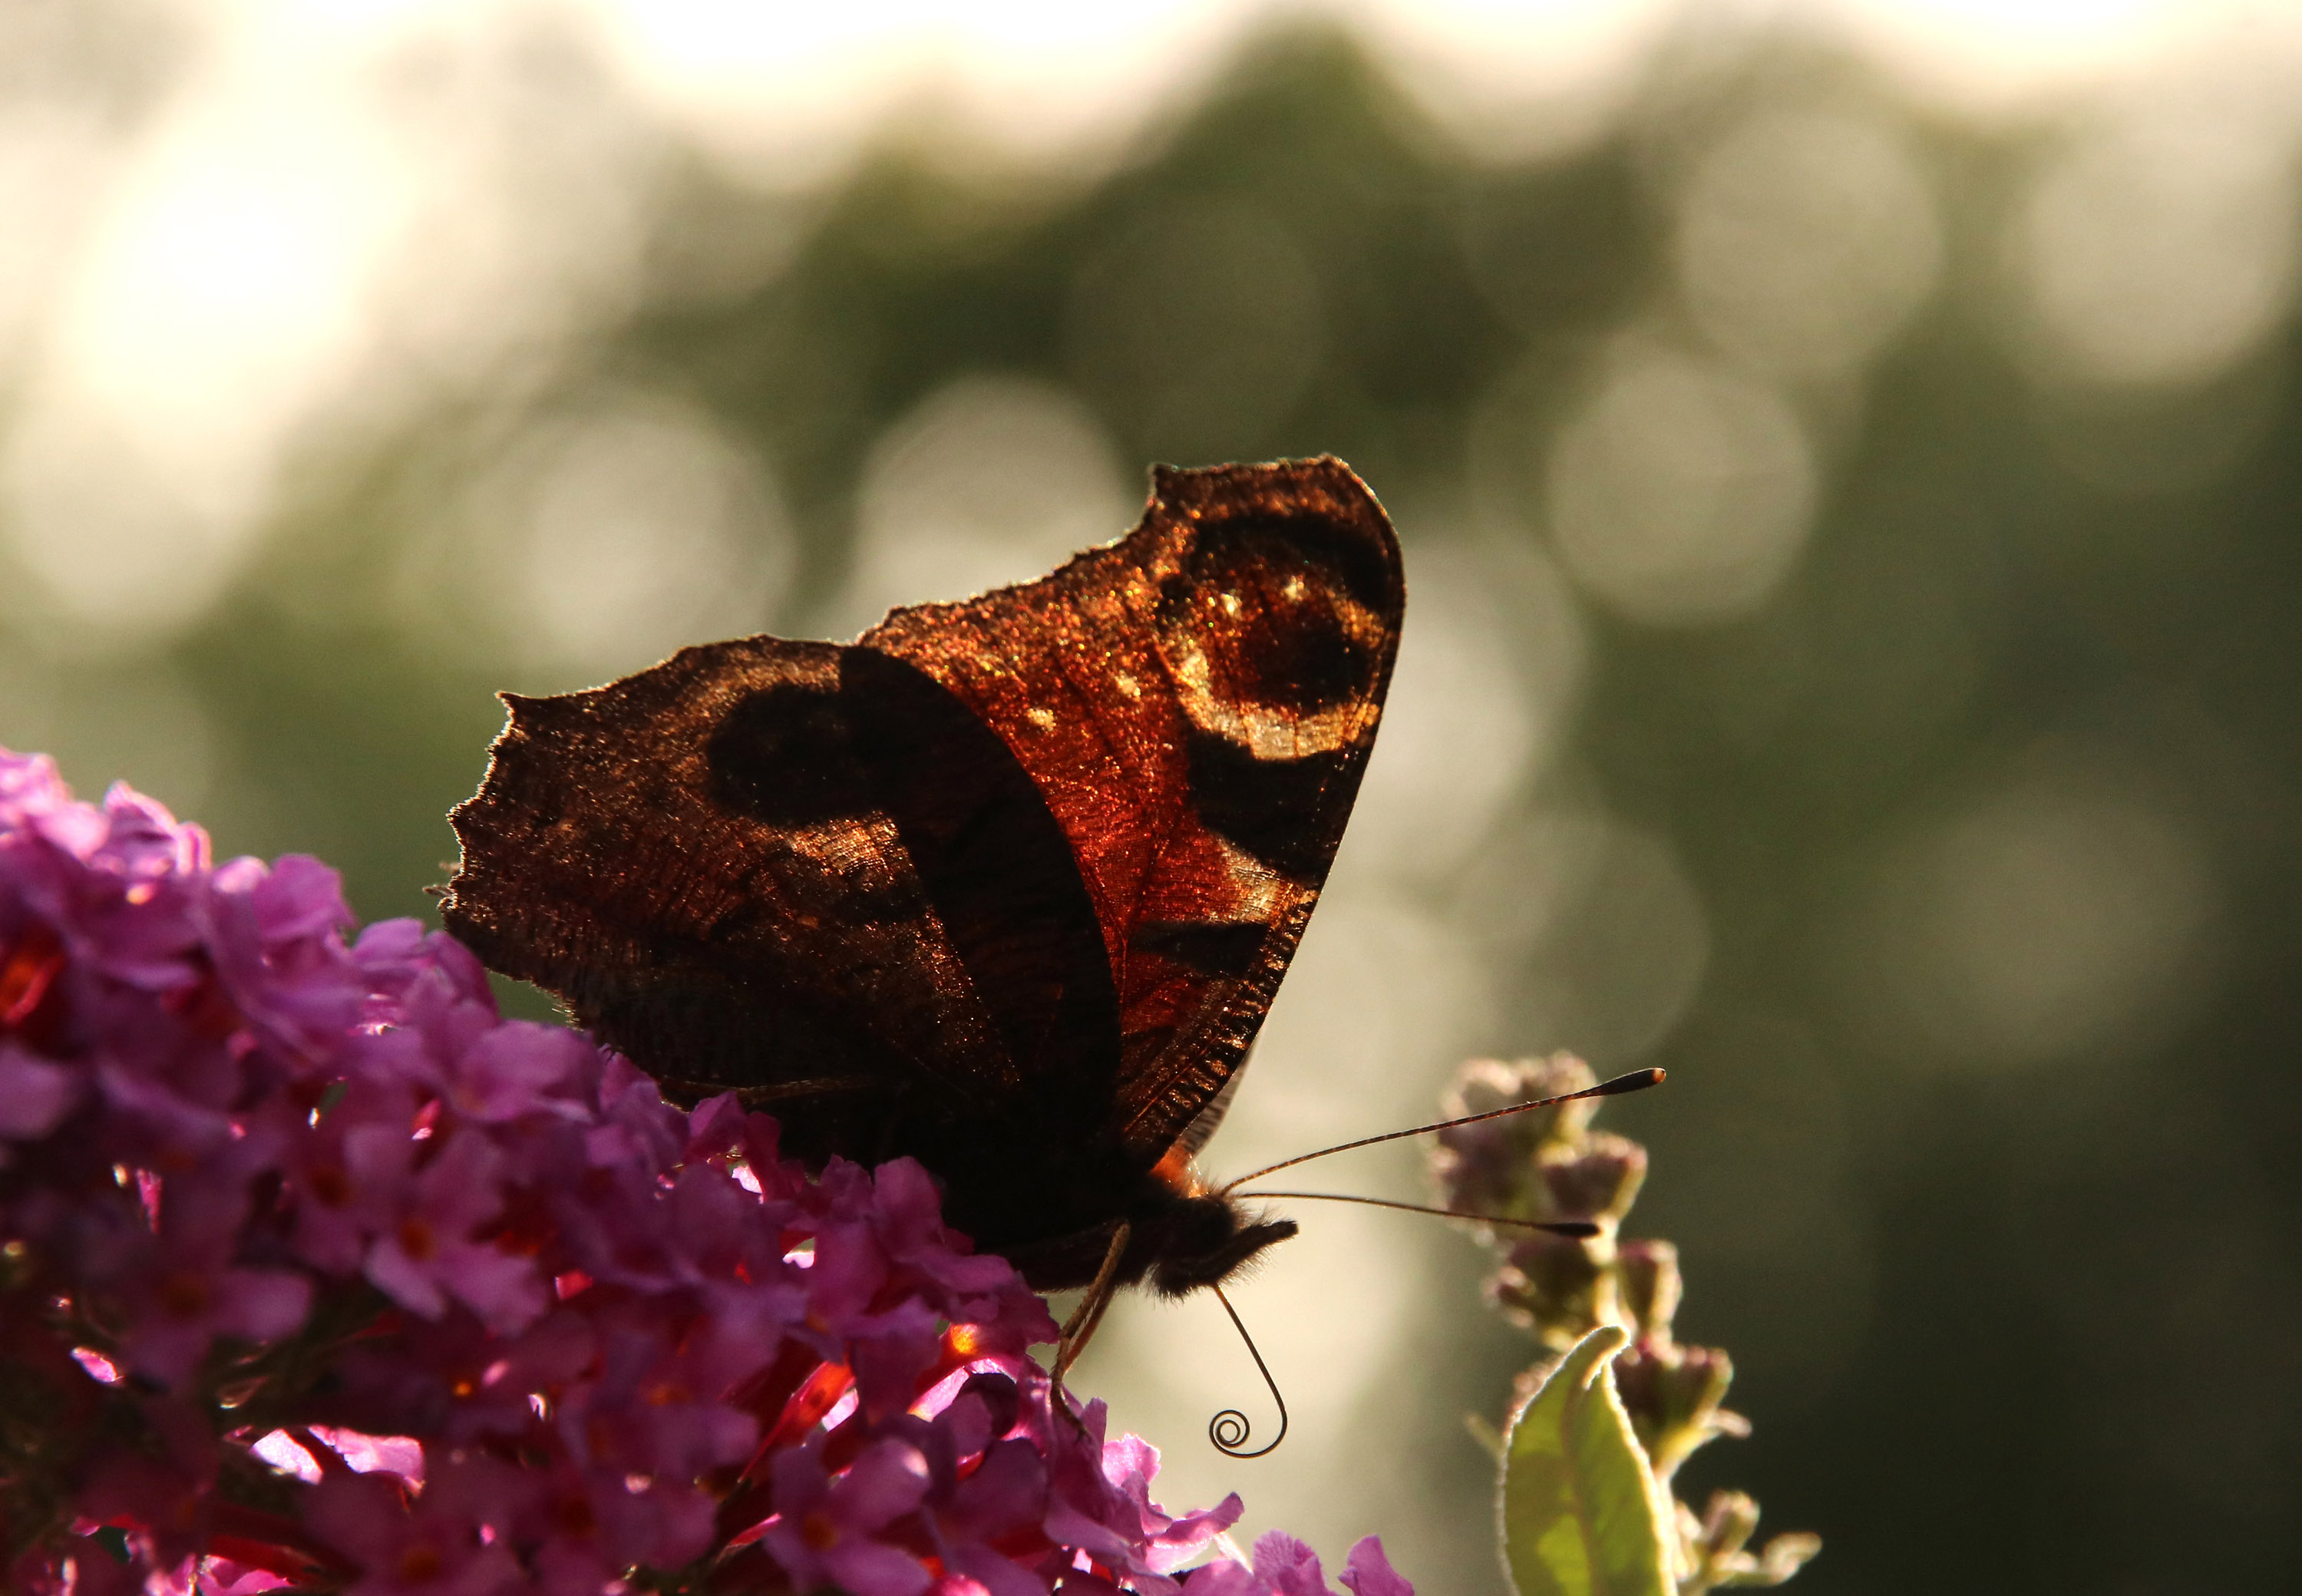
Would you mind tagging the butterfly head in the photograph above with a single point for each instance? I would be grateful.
(1203, 1239)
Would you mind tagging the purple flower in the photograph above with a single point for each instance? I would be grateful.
(651, 1401)
(1366, 1572)
(436, 1546)
(275, 938)
(826, 1528)
(222, 1576)
(35, 1097)
(517, 1322)
(423, 1250)
(1004, 1498)
(29, 787)
(1099, 1497)
(188, 1291)
(580, 1529)
(1285, 1566)
(161, 1490)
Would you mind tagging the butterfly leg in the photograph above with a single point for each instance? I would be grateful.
(691, 1092)
(1079, 1329)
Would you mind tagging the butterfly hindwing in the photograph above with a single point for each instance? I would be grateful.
(696, 858)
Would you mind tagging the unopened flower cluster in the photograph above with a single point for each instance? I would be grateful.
(316, 1274)
(1549, 1165)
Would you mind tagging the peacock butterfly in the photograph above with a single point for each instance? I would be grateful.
(1006, 885)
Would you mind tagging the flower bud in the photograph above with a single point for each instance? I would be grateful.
(1729, 1519)
(1598, 1179)
(1558, 1287)
(1672, 1394)
(1489, 1168)
(1715, 1545)
(1651, 1285)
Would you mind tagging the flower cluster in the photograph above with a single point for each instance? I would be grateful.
(317, 1274)
(1546, 1165)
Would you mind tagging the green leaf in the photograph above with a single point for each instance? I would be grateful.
(1580, 1511)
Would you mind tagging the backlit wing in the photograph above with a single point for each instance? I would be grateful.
(1197, 703)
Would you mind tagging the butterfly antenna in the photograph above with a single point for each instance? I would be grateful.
(1581, 1229)
(1229, 1430)
(1637, 1081)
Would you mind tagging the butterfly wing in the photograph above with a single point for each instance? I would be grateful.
(705, 864)
(1197, 703)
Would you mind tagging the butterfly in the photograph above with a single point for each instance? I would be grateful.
(1006, 885)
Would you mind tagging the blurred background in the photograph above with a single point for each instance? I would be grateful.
(1847, 453)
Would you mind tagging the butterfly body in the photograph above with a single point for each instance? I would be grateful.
(1006, 885)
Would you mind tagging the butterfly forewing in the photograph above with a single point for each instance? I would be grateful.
(1197, 703)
